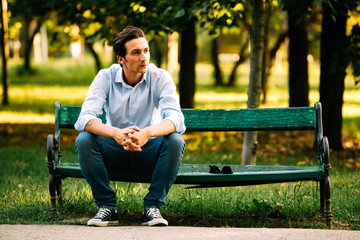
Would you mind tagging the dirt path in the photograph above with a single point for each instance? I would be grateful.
(58, 232)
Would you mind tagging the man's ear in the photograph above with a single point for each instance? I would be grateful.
(121, 60)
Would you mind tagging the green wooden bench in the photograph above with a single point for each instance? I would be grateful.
(198, 175)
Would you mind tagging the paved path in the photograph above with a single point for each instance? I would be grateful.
(58, 232)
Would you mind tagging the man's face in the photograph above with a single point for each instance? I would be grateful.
(137, 56)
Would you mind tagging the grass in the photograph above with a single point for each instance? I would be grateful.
(26, 122)
(24, 197)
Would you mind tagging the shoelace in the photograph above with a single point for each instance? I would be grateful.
(153, 213)
(103, 212)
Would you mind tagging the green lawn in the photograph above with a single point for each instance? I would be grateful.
(25, 124)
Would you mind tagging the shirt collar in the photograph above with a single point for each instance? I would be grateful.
(119, 77)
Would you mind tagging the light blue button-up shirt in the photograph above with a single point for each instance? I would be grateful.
(153, 99)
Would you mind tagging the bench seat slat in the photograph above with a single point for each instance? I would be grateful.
(199, 174)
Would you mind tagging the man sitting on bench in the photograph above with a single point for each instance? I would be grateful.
(142, 133)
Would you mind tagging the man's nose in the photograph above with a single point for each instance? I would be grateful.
(143, 56)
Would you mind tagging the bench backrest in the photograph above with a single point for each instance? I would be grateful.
(250, 119)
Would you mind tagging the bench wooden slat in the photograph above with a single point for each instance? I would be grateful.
(250, 119)
(303, 118)
(198, 174)
(68, 115)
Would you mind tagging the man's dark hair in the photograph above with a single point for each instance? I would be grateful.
(129, 33)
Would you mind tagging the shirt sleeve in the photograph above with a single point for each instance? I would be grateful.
(169, 102)
(95, 100)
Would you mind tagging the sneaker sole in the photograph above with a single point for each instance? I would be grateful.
(155, 222)
(102, 224)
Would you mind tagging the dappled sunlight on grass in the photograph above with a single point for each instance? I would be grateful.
(35, 103)
(26, 117)
(220, 100)
(65, 94)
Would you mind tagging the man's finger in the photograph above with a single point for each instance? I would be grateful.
(133, 137)
(134, 128)
(128, 141)
(132, 147)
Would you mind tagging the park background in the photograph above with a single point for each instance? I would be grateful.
(69, 44)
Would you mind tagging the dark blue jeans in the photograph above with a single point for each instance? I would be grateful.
(160, 156)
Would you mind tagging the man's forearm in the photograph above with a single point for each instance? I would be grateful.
(163, 128)
(98, 128)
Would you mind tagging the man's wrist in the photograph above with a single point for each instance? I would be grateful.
(115, 132)
(148, 132)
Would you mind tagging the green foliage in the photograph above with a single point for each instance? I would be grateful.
(30, 9)
(106, 18)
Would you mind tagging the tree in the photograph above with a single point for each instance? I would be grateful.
(187, 66)
(32, 14)
(4, 51)
(254, 90)
(215, 61)
(335, 58)
(212, 15)
(298, 52)
(89, 17)
(243, 56)
(226, 14)
(274, 31)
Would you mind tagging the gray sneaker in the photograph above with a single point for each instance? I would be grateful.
(104, 217)
(152, 217)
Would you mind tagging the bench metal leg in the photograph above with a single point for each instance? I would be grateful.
(52, 188)
(322, 197)
(54, 182)
(328, 214)
(325, 201)
(58, 185)
(55, 189)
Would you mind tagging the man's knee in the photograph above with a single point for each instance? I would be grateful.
(175, 140)
(85, 140)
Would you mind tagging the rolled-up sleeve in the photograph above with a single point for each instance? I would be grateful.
(94, 102)
(169, 103)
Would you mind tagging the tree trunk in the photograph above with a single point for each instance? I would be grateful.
(266, 57)
(254, 90)
(32, 27)
(298, 65)
(159, 44)
(215, 61)
(90, 46)
(44, 41)
(270, 61)
(4, 51)
(187, 66)
(243, 56)
(332, 76)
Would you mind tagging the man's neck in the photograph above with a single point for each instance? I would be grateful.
(132, 78)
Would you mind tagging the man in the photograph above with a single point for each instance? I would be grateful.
(142, 133)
